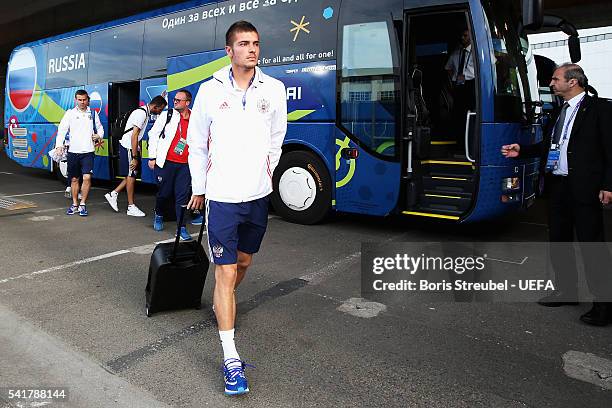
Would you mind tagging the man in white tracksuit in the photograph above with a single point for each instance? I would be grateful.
(85, 130)
(238, 124)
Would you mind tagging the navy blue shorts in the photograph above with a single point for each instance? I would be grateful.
(125, 157)
(233, 227)
(80, 164)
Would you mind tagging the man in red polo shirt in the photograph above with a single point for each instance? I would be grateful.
(168, 153)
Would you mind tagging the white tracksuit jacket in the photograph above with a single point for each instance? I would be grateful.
(234, 149)
(158, 146)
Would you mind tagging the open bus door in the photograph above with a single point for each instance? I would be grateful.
(440, 134)
(124, 96)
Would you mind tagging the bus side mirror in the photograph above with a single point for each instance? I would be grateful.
(573, 43)
(533, 15)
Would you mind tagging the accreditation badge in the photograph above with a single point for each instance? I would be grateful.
(552, 162)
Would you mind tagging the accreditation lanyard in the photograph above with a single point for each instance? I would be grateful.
(567, 124)
(231, 78)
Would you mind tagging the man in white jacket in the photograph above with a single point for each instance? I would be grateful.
(168, 152)
(85, 130)
(238, 124)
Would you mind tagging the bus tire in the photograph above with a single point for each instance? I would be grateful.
(302, 188)
(61, 171)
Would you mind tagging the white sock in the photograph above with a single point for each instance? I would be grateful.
(114, 193)
(229, 347)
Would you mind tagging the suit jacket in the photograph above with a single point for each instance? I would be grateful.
(589, 152)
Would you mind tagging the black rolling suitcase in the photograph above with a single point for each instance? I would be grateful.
(177, 273)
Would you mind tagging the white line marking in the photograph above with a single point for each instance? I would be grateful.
(141, 250)
(68, 265)
(506, 261)
(31, 194)
(42, 218)
(5, 172)
(317, 276)
(45, 192)
(589, 368)
(63, 209)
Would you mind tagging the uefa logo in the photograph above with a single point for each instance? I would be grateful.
(21, 79)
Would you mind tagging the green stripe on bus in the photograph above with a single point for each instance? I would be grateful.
(48, 109)
(384, 146)
(197, 74)
(298, 114)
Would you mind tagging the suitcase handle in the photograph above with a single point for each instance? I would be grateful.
(178, 231)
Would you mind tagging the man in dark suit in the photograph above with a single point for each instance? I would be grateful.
(579, 159)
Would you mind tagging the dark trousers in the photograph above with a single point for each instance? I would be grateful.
(173, 179)
(567, 216)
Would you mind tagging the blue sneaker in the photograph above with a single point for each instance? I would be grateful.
(158, 222)
(198, 220)
(83, 210)
(185, 235)
(235, 380)
(72, 210)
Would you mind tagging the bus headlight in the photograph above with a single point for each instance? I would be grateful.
(511, 183)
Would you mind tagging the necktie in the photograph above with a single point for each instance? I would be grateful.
(462, 62)
(560, 123)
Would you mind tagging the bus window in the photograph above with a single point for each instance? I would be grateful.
(67, 62)
(162, 40)
(370, 85)
(116, 54)
(509, 74)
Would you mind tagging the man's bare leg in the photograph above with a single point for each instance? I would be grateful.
(223, 296)
(130, 182)
(74, 190)
(244, 261)
(86, 187)
(121, 186)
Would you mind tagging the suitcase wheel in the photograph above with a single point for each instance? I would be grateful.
(148, 312)
(198, 306)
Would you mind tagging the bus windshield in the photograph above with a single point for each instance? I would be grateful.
(510, 81)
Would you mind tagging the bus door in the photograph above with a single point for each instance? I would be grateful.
(367, 167)
(440, 133)
(124, 97)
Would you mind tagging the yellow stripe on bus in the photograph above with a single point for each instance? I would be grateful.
(458, 163)
(448, 178)
(442, 142)
(421, 214)
(442, 196)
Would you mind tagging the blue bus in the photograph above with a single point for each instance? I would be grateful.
(372, 114)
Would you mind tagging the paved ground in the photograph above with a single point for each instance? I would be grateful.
(71, 313)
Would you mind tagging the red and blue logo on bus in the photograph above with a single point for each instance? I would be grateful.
(21, 79)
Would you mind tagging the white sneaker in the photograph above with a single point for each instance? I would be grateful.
(112, 200)
(134, 211)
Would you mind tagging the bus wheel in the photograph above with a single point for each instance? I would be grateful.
(302, 188)
(61, 171)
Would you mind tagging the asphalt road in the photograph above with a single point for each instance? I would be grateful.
(72, 316)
